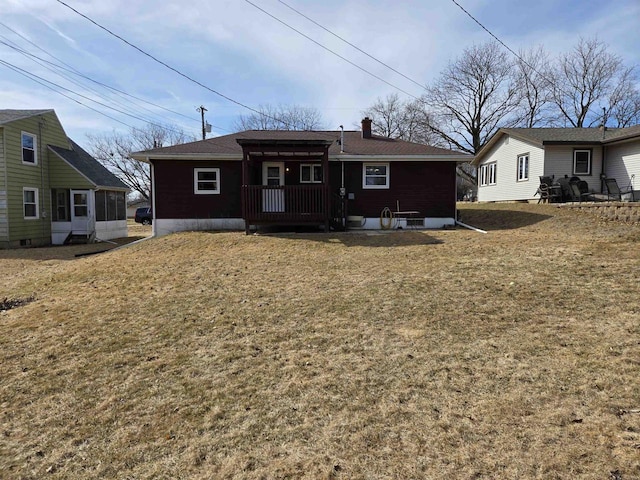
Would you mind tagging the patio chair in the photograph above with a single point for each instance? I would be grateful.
(613, 190)
(548, 193)
(579, 190)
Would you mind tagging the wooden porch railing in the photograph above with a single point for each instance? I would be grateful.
(289, 204)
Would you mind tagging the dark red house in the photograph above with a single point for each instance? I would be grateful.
(332, 179)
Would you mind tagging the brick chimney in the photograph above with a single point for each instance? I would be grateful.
(366, 127)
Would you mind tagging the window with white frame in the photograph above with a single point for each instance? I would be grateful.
(29, 149)
(311, 173)
(483, 175)
(375, 175)
(493, 167)
(30, 203)
(206, 181)
(582, 162)
(523, 167)
(488, 173)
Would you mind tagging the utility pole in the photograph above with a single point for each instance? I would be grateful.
(201, 109)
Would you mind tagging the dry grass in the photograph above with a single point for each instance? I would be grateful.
(410, 355)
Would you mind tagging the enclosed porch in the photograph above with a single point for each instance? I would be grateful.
(287, 182)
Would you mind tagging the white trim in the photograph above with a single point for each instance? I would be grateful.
(36, 198)
(332, 158)
(35, 149)
(312, 167)
(402, 158)
(590, 162)
(387, 176)
(525, 176)
(196, 181)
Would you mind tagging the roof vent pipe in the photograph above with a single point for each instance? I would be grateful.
(341, 139)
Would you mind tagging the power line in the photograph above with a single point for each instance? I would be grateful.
(44, 82)
(331, 51)
(30, 76)
(75, 71)
(18, 69)
(352, 45)
(175, 70)
(542, 75)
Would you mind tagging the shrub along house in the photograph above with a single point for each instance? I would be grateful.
(51, 190)
(253, 178)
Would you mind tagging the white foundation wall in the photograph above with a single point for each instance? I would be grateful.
(165, 226)
(111, 229)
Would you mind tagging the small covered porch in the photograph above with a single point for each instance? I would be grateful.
(287, 182)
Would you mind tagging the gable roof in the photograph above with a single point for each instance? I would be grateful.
(8, 116)
(560, 136)
(354, 145)
(88, 166)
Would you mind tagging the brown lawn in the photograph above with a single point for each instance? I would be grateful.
(448, 354)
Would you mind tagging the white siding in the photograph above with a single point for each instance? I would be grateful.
(559, 162)
(505, 154)
(623, 161)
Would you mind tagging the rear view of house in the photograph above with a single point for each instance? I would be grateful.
(51, 190)
(330, 179)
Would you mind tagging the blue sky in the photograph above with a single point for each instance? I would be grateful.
(239, 51)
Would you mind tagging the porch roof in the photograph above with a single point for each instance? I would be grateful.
(88, 166)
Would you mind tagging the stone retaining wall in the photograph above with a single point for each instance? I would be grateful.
(615, 211)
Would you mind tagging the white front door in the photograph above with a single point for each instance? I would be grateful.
(273, 176)
(81, 212)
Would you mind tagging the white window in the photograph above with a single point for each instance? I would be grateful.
(488, 173)
(311, 173)
(375, 175)
(483, 175)
(29, 149)
(492, 173)
(582, 162)
(523, 167)
(206, 181)
(30, 203)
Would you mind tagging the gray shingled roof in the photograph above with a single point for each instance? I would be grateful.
(571, 135)
(549, 136)
(7, 116)
(88, 166)
(354, 144)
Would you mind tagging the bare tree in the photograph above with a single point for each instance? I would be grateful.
(282, 117)
(531, 79)
(473, 97)
(624, 101)
(391, 117)
(581, 78)
(113, 150)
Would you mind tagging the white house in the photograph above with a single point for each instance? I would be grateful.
(513, 160)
